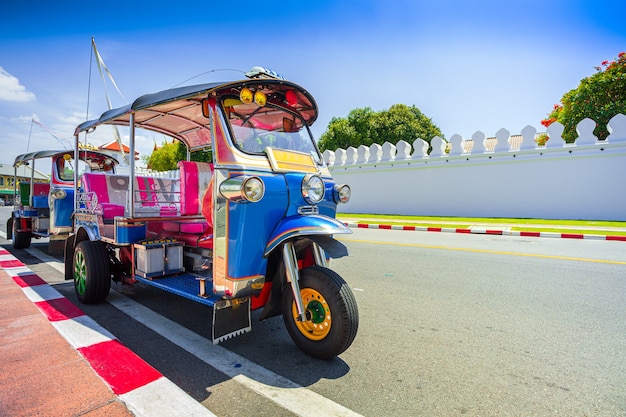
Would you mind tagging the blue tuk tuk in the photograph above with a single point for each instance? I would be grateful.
(44, 209)
(255, 228)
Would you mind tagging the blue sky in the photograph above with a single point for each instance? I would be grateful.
(468, 65)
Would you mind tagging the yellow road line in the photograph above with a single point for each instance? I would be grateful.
(494, 252)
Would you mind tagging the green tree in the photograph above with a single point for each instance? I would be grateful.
(167, 156)
(366, 127)
(598, 97)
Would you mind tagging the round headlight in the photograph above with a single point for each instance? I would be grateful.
(253, 189)
(342, 193)
(58, 194)
(312, 189)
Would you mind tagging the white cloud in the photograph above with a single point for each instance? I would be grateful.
(12, 90)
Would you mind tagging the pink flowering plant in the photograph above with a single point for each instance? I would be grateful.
(598, 97)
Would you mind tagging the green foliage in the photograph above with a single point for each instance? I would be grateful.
(167, 156)
(598, 97)
(363, 126)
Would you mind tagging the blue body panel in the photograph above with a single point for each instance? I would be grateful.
(63, 209)
(256, 229)
(250, 224)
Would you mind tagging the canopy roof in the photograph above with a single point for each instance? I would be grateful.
(24, 159)
(85, 155)
(177, 112)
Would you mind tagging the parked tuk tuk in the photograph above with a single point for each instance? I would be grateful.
(252, 229)
(44, 209)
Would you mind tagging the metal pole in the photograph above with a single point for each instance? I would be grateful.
(131, 178)
(293, 276)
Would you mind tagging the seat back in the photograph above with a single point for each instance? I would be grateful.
(40, 194)
(194, 182)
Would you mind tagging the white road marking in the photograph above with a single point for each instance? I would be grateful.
(49, 260)
(284, 392)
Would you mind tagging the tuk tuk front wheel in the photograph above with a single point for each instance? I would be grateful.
(92, 277)
(332, 317)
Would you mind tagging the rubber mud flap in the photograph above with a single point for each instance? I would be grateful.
(232, 320)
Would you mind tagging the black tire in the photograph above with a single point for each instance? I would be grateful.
(332, 313)
(10, 228)
(92, 277)
(68, 257)
(20, 240)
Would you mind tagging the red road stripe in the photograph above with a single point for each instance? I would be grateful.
(572, 236)
(463, 231)
(384, 226)
(493, 232)
(412, 228)
(4, 252)
(530, 234)
(362, 225)
(121, 368)
(59, 309)
(12, 263)
(29, 280)
(433, 229)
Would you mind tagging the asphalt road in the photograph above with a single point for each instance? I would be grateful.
(450, 325)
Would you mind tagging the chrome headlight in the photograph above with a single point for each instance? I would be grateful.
(242, 189)
(342, 193)
(58, 194)
(312, 189)
(253, 189)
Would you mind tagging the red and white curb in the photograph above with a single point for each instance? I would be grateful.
(144, 390)
(479, 230)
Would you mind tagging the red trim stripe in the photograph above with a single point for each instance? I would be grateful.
(121, 368)
(11, 263)
(30, 280)
(493, 232)
(59, 309)
(572, 236)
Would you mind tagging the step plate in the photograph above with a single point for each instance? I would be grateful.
(184, 285)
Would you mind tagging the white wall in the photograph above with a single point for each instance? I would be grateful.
(585, 180)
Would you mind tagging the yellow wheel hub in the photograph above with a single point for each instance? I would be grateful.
(319, 319)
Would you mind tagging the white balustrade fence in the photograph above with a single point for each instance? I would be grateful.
(496, 178)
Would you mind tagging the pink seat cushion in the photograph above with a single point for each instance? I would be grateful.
(110, 211)
(198, 227)
(192, 228)
(171, 226)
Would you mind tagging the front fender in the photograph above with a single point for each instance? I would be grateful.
(310, 225)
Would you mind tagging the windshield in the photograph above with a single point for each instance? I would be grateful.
(255, 128)
(89, 162)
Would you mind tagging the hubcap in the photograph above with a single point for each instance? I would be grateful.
(319, 318)
(80, 272)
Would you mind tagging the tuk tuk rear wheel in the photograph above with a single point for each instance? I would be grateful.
(331, 311)
(92, 277)
(20, 240)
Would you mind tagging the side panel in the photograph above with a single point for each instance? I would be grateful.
(240, 234)
(61, 210)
